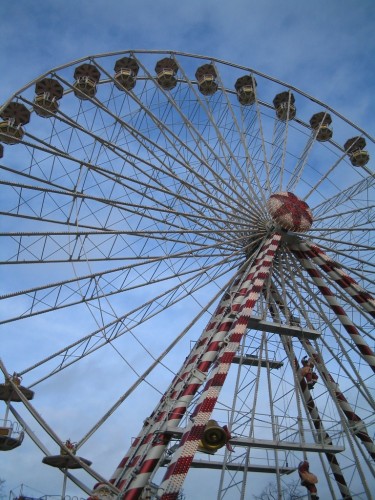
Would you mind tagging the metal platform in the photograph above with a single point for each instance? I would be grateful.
(250, 360)
(214, 464)
(257, 323)
(286, 445)
(271, 444)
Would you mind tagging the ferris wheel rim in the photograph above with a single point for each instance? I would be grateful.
(192, 55)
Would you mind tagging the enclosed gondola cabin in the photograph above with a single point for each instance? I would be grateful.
(166, 70)
(126, 71)
(321, 124)
(284, 106)
(86, 80)
(206, 77)
(355, 149)
(14, 116)
(245, 88)
(48, 93)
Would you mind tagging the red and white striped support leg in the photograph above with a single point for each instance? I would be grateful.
(251, 289)
(318, 424)
(134, 470)
(336, 273)
(307, 397)
(364, 349)
(355, 422)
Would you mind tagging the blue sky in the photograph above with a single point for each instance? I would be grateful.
(325, 48)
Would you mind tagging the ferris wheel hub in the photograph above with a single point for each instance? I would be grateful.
(290, 212)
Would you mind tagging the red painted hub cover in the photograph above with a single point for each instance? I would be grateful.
(289, 212)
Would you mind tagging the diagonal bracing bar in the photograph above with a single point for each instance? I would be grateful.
(355, 422)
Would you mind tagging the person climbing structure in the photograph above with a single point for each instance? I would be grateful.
(308, 479)
(307, 371)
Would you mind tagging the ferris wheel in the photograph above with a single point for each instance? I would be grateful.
(187, 268)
